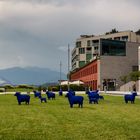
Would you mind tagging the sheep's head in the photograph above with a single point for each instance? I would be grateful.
(17, 94)
(69, 95)
(134, 94)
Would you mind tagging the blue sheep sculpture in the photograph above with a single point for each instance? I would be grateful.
(37, 94)
(130, 97)
(93, 97)
(50, 95)
(72, 92)
(75, 100)
(42, 99)
(22, 98)
(101, 97)
(60, 93)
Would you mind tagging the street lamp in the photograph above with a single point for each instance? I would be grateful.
(60, 76)
(68, 67)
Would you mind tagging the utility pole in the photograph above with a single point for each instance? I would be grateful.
(60, 75)
(68, 67)
(139, 67)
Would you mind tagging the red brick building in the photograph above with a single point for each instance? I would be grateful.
(87, 74)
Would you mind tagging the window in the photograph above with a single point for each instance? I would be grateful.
(135, 68)
(95, 42)
(113, 48)
(88, 43)
(116, 38)
(89, 49)
(81, 50)
(125, 38)
(78, 44)
(88, 56)
(81, 63)
(95, 48)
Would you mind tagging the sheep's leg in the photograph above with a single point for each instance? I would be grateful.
(79, 105)
(71, 105)
(132, 102)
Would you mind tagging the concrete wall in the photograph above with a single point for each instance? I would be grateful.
(112, 67)
(128, 86)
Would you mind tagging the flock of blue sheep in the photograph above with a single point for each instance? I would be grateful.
(93, 97)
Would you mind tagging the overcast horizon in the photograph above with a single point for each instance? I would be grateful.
(37, 32)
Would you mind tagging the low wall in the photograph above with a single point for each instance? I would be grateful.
(83, 92)
(128, 86)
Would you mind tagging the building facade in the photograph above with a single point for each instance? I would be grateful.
(87, 47)
(115, 59)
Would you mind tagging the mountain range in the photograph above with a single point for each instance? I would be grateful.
(29, 75)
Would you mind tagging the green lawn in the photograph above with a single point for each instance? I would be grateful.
(111, 119)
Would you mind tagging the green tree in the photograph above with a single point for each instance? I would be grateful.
(112, 31)
(124, 79)
(134, 76)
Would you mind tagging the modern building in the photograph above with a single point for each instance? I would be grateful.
(87, 47)
(102, 62)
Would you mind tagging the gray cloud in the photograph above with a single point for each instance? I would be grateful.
(37, 32)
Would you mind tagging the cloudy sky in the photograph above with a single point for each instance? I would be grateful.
(37, 32)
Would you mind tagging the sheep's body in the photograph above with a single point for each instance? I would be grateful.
(42, 99)
(37, 94)
(50, 95)
(130, 98)
(22, 98)
(60, 93)
(75, 100)
(93, 97)
(101, 97)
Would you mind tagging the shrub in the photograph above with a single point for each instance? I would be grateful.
(25, 86)
(65, 88)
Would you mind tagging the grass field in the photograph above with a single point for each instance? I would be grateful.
(111, 119)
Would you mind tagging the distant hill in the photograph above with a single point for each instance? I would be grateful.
(30, 75)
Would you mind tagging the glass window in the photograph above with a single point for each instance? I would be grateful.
(88, 43)
(113, 47)
(81, 50)
(135, 68)
(125, 38)
(78, 44)
(95, 42)
(81, 63)
(88, 56)
(116, 38)
(88, 48)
